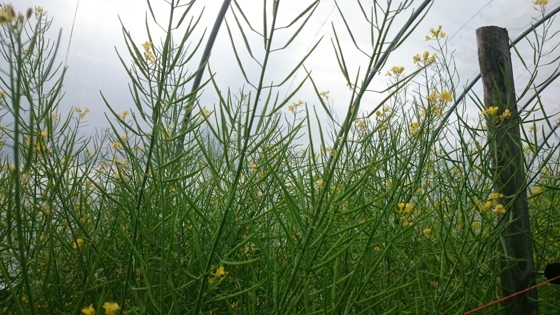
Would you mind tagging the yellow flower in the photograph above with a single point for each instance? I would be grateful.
(84, 113)
(124, 138)
(487, 205)
(436, 33)
(414, 127)
(38, 9)
(490, 111)
(505, 114)
(78, 243)
(291, 108)
(416, 58)
(406, 207)
(427, 232)
(445, 96)
(7, 14)
(117, 146)
(88, 310)
(432, 59)
(205, 112)
(426, 55)
(499, 209)
(45, 207)
(220, 271)
(540, 2)
(44, 134)
(537, 190)
(495, 196)
(432, 97)
(147, 46)
(319, 183)
(124, 114)
(397, 70)
(476, 225)
(361, 123)
(111, 308)
(148, 53)
(376, 249)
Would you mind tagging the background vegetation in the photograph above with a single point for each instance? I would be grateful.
(177, 208)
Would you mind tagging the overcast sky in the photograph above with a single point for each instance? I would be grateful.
(94, 66)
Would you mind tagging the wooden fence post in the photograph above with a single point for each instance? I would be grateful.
(508, 169)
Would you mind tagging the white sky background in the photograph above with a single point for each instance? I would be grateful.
(94, 66)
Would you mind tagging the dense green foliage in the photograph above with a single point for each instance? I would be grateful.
(398, 217)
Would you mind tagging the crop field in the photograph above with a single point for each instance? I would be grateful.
(266, 201)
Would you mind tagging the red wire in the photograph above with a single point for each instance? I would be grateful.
(510, 296)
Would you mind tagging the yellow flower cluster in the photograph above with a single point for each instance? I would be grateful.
(499, 209)
(380, 113)
(414, 127)
(205, 112)
(537, 190)
(476, 225)
(406, 210)
(83, 112)
(445, 96)
(78, 243)
(483, 208)
(7, 14)
(436, 33)
(124, 114)
(492, 202)
(492, 111)
(360, 123)
(540, 2)
(292, 108)
(148, 52)
(110, 308)
(220, 271)
(425, 59)
(495, 196)
(505, 114)
(396, 70)
(529, 148)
